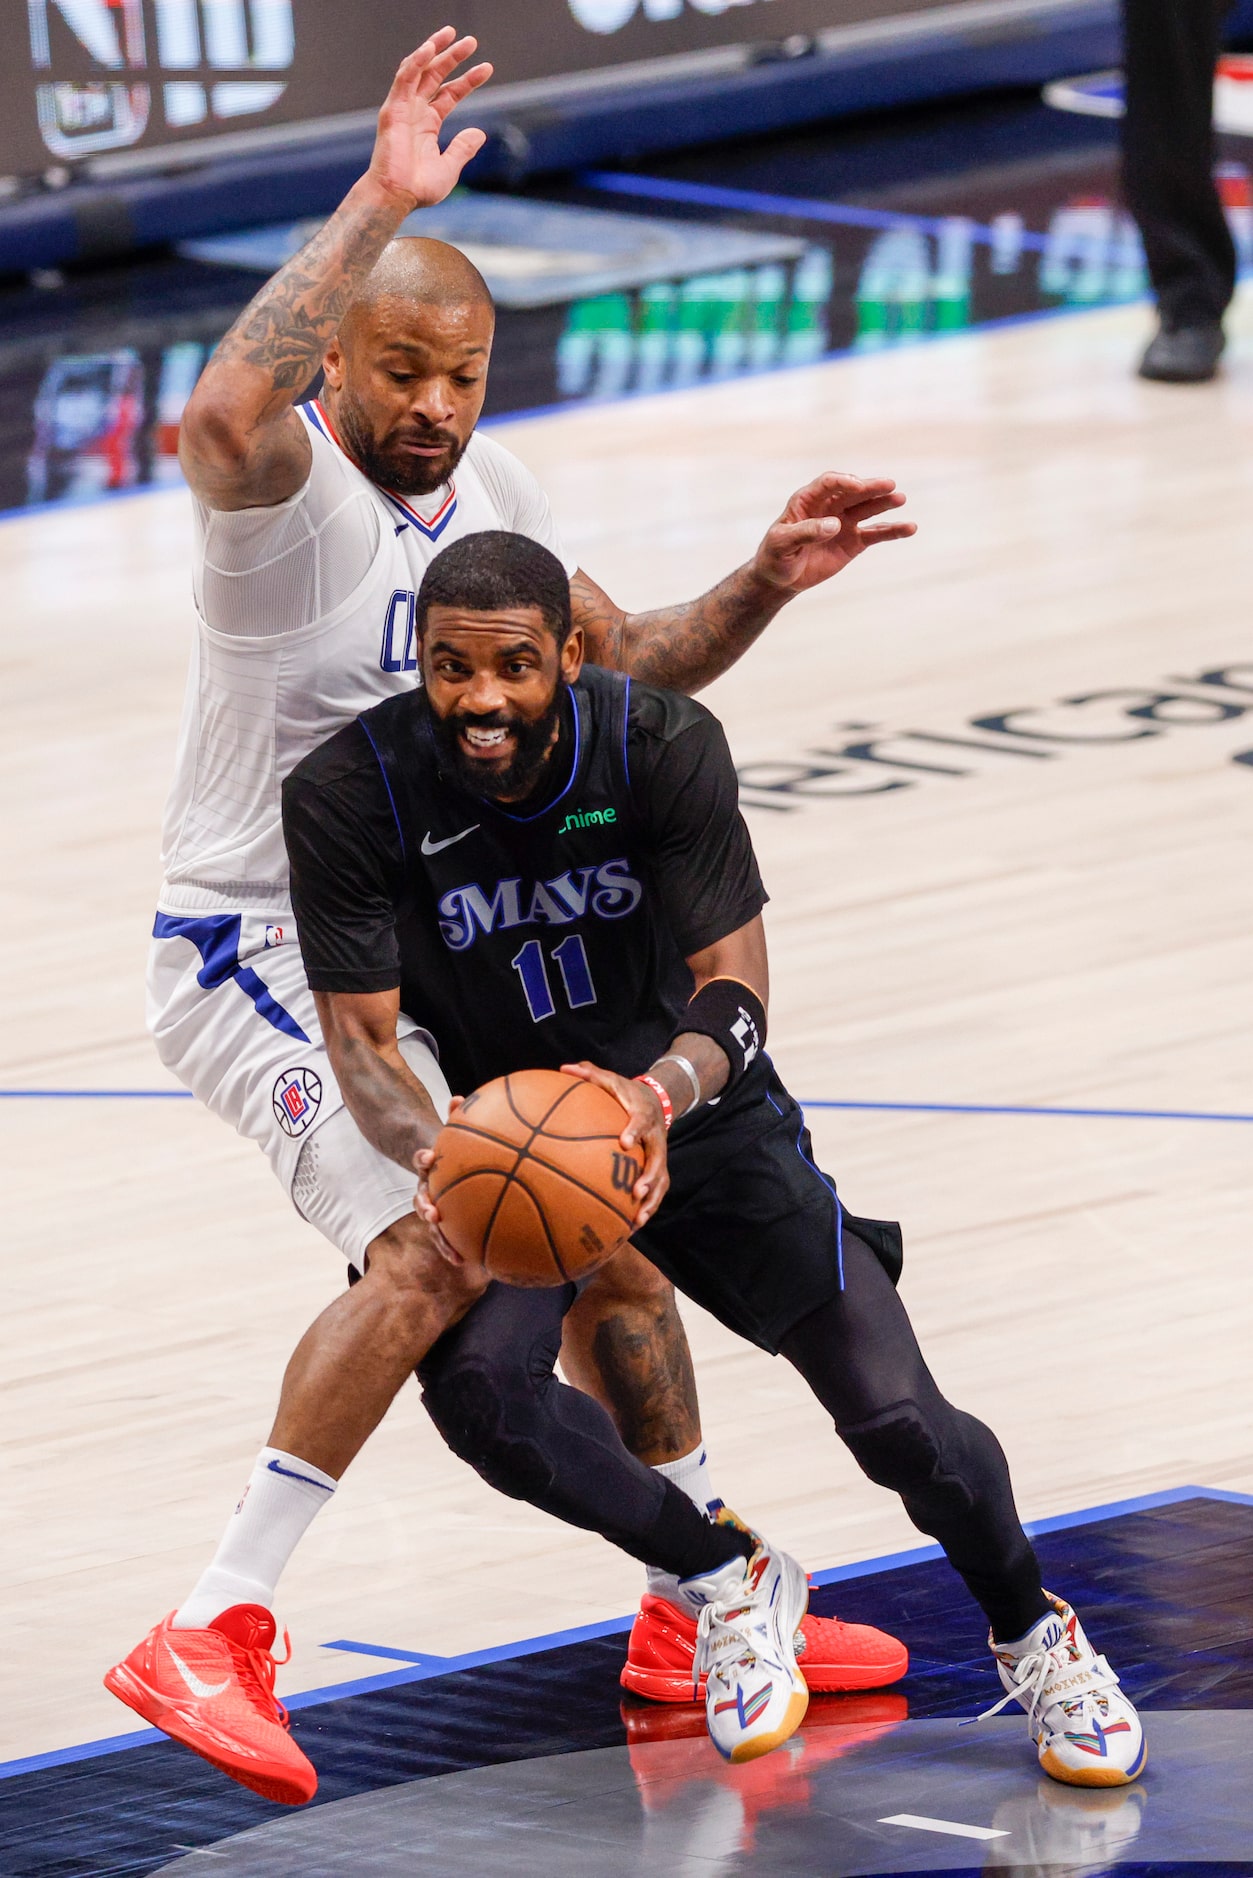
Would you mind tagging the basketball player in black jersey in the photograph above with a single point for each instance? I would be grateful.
(545, 865)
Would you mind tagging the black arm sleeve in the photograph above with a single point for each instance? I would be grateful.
(686, 788)
(346, 868)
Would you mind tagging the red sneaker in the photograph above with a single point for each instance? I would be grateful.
(213, 1690)
(835, 1656)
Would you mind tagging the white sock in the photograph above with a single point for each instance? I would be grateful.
(280, 1500)
(691, 1475)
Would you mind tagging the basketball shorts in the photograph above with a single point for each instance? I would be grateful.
(233, 1019)
(751, 1228)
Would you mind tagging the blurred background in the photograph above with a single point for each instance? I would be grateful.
(673, 191)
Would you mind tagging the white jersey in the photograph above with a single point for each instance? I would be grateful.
(306, 619)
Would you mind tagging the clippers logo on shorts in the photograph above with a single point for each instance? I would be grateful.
(297, 1099)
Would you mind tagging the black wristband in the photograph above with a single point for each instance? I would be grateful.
(734, 1016)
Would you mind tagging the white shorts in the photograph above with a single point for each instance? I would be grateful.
(233, 1018)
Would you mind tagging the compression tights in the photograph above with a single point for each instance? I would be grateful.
(859, 1355)
(489, 1386)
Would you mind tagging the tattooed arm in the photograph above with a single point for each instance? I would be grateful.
(824, 527)
(384, 1097)
(241, 444)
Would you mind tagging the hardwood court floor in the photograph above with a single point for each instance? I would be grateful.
(1067, 930)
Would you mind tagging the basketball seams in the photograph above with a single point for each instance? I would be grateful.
(514, 1173)
(511, 1174)
(519, 1182)
(506, 1175)
(517, 1161)
(564, 1173)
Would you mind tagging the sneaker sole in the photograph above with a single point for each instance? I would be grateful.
(160, 1713)
(765, 1744)
(826, 1679)
(1096, 1776)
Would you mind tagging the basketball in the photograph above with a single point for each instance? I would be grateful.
(530, 1178)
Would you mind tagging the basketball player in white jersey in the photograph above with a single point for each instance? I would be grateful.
(315, 524)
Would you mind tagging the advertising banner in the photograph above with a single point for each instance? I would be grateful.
(83, 78)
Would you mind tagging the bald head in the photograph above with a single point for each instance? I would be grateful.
(405, 376)
(420, 272)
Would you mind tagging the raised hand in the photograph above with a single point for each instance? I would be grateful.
(826, 525)
(407, 159)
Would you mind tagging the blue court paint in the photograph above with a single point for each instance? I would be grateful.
(87, 1751)
(761, 202)
(1056, 1522)
(425, 1665)
(421, 1666)
(889, 1108)
(1167, 1583)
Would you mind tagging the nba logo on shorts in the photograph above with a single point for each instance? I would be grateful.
(297, 1097)
(273, 936)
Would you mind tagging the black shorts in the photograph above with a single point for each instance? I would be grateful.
(751, 1229)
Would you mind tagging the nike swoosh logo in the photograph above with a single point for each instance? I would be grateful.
(202, 1689)
(433, 847)
(289, 1473)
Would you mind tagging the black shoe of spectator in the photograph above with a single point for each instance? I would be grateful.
(1188, 355)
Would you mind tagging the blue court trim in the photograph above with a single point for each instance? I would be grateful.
(88, 1751)
(761, 202)
(1056, 1522)
(889, 1108)
(424, 1665)
(421, 1666)
(1033, 1108)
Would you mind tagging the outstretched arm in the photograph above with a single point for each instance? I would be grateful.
(824, 527)
(241, 444)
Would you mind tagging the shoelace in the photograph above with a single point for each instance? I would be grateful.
(257, 1669)
(1033, 1673)
(732, 1620)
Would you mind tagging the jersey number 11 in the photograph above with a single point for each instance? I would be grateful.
(576, 977)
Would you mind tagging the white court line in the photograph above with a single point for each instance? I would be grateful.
(921, 1824)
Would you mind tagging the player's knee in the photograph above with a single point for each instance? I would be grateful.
(490, 1414)
(420, 1286)
(901, 1448)
(629, 1280)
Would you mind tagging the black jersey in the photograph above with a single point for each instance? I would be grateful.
(540, 933)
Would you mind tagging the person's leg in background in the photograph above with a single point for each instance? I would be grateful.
(1170, 49)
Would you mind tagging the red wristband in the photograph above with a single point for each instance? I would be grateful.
(659, 1090)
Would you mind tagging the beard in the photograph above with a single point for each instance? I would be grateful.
(489, 782)
(390, 465)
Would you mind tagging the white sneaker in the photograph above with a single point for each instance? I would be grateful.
(755, 1696)
(1086, 1731)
